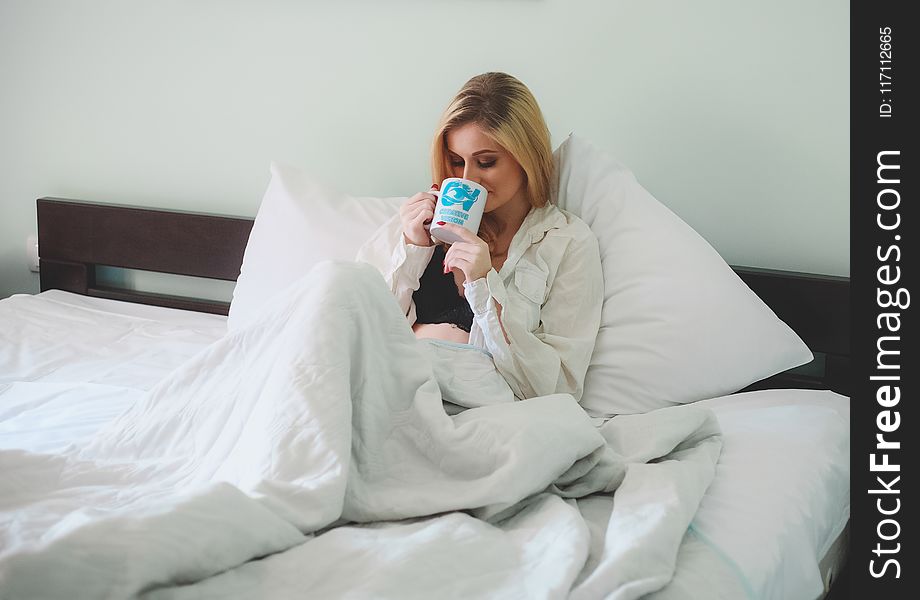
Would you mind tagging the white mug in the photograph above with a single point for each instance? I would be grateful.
(460, 201)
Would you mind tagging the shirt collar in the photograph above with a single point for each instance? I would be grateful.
(533, 229)
(542, 219)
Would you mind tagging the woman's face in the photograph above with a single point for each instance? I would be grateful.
(472, 155)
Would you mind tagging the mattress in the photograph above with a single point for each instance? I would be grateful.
(780, 499)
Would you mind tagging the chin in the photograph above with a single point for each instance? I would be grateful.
(490, 206)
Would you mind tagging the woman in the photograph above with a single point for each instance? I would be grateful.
(528, 289)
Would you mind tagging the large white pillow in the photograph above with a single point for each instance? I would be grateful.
(678, 325)
(300, 223)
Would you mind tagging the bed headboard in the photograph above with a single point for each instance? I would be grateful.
(76, 236)
(817, 307)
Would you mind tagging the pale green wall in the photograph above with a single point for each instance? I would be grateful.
(734, 114)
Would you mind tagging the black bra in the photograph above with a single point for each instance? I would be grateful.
(437, 299)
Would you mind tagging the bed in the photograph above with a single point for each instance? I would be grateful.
(772, 523)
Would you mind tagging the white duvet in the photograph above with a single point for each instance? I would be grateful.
(319, 430)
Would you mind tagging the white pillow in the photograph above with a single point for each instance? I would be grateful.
(678, 325)
(300, 223)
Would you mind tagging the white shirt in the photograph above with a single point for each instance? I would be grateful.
(550, 289)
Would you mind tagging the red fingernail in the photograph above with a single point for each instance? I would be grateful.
(441, 223)
(435, 186)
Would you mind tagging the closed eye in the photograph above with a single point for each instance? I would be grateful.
(458, 162)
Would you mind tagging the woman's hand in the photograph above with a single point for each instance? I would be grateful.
(416, 214)
(471, 255)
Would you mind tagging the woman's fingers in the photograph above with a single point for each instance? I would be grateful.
(422, 215)
(414, 213)
(420, 199)
(471, 257)
(465, 234)
(411, 207)
(457, 251)
(424, 220)
(456, 262)
(464, 249)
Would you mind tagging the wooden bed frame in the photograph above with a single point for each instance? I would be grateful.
(76, 236)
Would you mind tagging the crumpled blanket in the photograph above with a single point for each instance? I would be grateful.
(323, 421)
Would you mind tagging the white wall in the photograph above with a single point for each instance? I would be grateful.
(734, 114)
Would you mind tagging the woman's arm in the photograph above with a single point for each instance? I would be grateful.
(553, 357)
(401, 264)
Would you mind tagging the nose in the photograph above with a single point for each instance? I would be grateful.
(471, 172)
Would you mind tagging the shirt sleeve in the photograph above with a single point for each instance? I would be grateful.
(401, 264)
(555, 356)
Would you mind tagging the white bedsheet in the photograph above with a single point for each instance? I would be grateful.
(782, 490)
(327, 410)
(779, 497)
(56, 336)
(71, 363)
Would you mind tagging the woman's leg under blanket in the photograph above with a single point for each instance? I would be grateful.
(327, 406)
(467, 376)
(277, 407)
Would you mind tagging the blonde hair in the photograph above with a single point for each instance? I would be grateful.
(507, 112)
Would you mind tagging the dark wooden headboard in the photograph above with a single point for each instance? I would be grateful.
(817, 307)
(75, 237)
